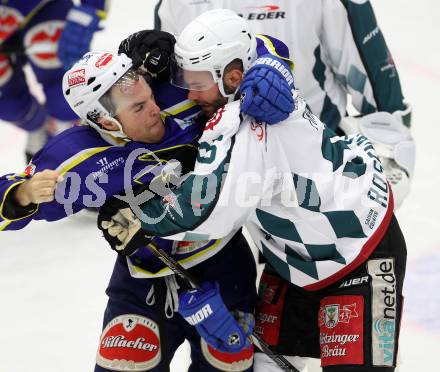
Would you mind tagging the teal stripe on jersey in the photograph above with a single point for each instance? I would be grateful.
(333, 151)
(367, 108)
(278, 226)
(345, 224)
(157, 21)
(307, 193)
(324, 252)
(355, 168)
(277, 263)
(375, 56)
(192, 236)
(192, 203)
(300, 263)
(330, 114)
(356, 79)
(186, 209)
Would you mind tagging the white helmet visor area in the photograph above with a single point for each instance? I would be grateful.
(191, 80)
(126, 94)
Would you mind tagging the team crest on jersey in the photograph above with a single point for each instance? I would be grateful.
(232, 362)
(215, 119)
(129, 343)
(10, 20)
(104, 60)
(42, 42)
(331, 315)
(170, 201)
(171, 205)
(30, 170)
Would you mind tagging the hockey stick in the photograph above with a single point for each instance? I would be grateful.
(192, 282)
(33, 13)
(172, 264)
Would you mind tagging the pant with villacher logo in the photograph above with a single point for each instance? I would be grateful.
(139, 336)
(351, 325)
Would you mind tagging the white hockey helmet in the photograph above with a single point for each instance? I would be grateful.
(88, 80)
(207, 45)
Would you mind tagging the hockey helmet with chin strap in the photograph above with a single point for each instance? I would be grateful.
(207, 45)
(87, 83)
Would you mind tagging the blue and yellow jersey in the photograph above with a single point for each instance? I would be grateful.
(95, 169)
(269, 45)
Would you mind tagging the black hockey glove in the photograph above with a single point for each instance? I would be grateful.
(151, 51)
(121, 228)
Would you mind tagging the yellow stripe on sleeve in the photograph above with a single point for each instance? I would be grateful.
(62, 169)
(178, 108)
(4, 225)
(10, 188)
(78, 158)
(269, 45)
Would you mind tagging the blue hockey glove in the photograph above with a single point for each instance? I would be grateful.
(266, 91)
(81, 23)
(204, 309)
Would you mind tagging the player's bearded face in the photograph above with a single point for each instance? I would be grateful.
(209, 100)
(138, 112)
(204, 90)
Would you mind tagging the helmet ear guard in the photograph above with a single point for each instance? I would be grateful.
(209, 43)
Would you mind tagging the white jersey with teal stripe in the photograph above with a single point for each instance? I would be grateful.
(315, 204)
(337, 47)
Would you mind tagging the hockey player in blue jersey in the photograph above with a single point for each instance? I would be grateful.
(102, 88)
(316, 205)
(92, 163)
(46, 34)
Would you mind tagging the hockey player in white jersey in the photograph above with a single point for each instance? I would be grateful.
(317, 205)
(339, 51)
